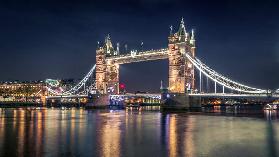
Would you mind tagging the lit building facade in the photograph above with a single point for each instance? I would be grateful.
(22, 91)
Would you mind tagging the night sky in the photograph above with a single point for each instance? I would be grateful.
(51, 39)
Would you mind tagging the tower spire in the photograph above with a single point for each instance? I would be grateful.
(193, 35)
(182, 21)
(192, 41)
(117, 49)
(182, 30)
(107, 39)
(108, 45)
(171, 28)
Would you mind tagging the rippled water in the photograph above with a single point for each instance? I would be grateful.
(79, 132)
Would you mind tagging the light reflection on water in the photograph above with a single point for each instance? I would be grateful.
(140, 132)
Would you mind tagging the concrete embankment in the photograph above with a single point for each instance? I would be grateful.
(19, 104)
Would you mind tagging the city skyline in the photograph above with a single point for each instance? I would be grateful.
(43, 41)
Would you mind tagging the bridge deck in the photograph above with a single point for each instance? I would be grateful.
(213, 95)
(66, 96)
(232, 95)
(139, 57)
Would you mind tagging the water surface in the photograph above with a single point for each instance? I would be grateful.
(121, 133)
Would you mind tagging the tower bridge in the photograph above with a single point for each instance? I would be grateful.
(183, 65)
(181, 70)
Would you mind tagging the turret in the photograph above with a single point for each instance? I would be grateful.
(117, 49)
(108, 47)
(182, 34)
(171, 29)
(192, 41)
(161, 87)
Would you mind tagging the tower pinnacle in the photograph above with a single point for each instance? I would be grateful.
(193, 35)
(161, 85)
(171, 28)
(107, 40)
(117, 49)
(108, 45)
(182, 30)
(192, 41)
(182, 21)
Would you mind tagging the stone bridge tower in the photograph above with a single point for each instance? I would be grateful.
(181, 71)
(107, 73)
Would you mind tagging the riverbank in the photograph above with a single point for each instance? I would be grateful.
(19, 104)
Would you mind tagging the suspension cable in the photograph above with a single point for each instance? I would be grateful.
(77, 86)
(81, 83)
(222, 80)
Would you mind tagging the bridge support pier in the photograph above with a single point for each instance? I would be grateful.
(98, 102)
(180, 101)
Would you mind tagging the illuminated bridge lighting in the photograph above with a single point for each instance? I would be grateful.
(182, 64)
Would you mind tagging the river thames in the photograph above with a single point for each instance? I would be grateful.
(137, 132)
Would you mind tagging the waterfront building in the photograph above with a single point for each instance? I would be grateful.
(28, 91)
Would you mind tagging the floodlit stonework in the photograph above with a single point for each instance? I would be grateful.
(181, 71)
